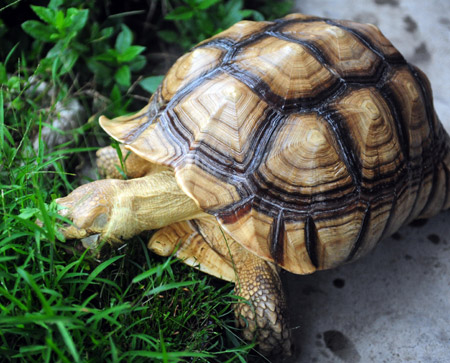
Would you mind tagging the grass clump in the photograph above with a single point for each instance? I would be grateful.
(67, 60)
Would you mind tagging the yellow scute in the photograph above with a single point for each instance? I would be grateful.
(208, 191)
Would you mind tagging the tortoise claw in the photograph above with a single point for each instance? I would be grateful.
(91, 242)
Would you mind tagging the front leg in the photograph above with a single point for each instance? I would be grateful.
(120, 209)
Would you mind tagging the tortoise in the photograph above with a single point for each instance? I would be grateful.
(293, 144)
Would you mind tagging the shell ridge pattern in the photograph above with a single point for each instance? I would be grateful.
(236, 170)
(387, 226)
(333, 119)
(398, 59)
(294, 199)
(297, 215)
(427, 101)
(154, 110)
(221, 43)
(135, 133)
(428, 155)
(432, 192)
(340, 85)
(308, 45)
(179, 135)
(262, 89)
(399, 123)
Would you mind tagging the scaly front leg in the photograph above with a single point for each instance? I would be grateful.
(119, 209)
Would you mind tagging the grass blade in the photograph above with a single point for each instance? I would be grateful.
(30, 281)
(97, 271)
(68, 340)
(170, 286)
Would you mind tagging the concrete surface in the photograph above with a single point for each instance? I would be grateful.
(394, 304)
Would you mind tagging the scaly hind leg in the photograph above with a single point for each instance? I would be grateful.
(202, 244)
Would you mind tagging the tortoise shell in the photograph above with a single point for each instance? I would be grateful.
(309, 139)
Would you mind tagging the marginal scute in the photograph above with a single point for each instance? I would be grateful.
(287, 68)
(296, 255)
(427, 94)
(424, 188)
(253, 231)
(332, 232)
(407, 93)
(184, 242)
(379, 215)
(126, 128)
(435, 202)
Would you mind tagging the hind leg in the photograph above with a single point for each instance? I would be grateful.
(262, 312)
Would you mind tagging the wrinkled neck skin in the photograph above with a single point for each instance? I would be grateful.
(150, 202)
(116, 210)
(154, 201)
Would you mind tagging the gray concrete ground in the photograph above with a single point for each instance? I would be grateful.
(394, 304)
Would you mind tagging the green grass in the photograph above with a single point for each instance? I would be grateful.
(59, 303)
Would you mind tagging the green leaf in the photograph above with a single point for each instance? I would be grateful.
(77, 18)
(38, 30)
(69, 58)
(59, 20)
(130, 53)
(123, 76)
(233, 10)
(3, 77)
(150, 84)
(205, 4)
(46, 14)
(104, 34)
(27, 213)
(54, 4)
(109, 56)
(2, 123)
(100, 70)
(245, 13)
(116, 95)
(168, 36)
(257, 15)
(124, 39)
(138, 63)
(56, 50)
(180, 13)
